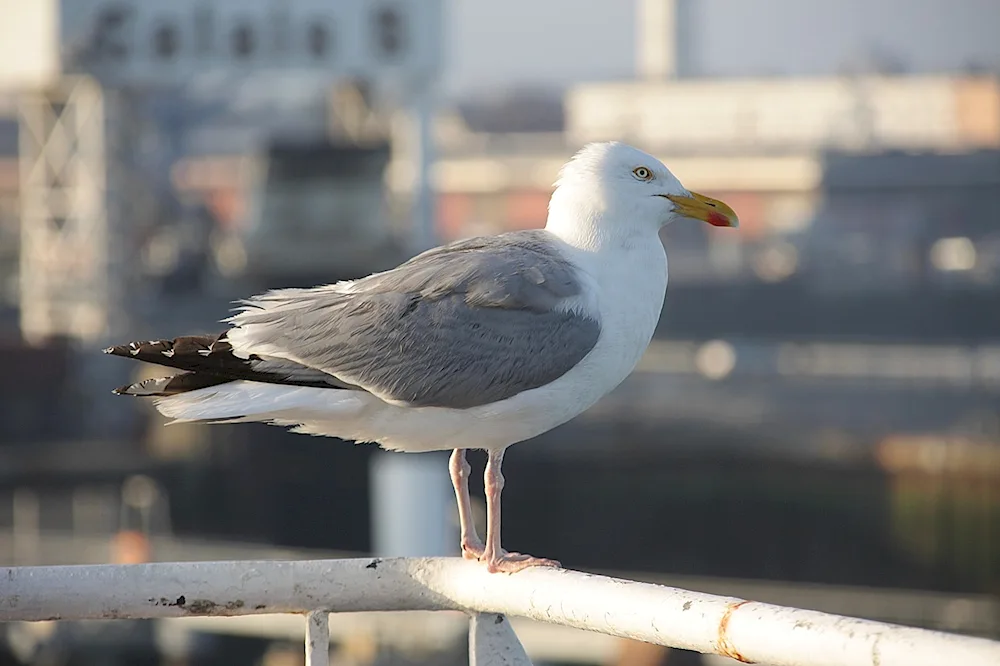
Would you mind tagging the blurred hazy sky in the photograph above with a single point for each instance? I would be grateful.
(497, 43)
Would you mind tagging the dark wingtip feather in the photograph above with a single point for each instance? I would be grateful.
(117, 350)
(160, 352)
(134, 349)
(160, 387)
(152, 387)
(209, 360)
(131, 389)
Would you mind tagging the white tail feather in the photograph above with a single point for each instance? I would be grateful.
(256, 401)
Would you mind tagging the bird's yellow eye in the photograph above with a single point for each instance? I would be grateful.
(642, 173)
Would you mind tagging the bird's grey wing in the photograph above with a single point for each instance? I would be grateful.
(463, 325)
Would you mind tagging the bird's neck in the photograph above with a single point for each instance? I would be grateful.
(582, 223)
(628, 265)
(618, 255)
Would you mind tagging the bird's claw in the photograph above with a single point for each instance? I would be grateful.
(472, 550)
(514, 562)
(505, 562)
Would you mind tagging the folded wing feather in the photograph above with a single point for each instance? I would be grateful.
(462, 325)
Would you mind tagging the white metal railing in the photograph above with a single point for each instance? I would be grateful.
(745, 630)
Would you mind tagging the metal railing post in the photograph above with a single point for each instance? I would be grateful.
(492, 642)
(318, 638)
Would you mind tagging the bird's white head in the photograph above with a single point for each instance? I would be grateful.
(612, 192)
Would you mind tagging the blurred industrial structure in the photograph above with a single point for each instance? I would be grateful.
(81, 70)
(820, 406)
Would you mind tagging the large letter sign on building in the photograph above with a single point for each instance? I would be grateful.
(153, 43)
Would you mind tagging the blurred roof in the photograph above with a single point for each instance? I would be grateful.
(896, 169)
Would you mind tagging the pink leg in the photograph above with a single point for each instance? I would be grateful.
(472, 546)
(496, 558)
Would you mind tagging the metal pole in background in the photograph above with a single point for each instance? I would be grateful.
(26, 529)
(413, 505)
(424, 213)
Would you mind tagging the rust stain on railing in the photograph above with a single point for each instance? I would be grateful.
(723, 643)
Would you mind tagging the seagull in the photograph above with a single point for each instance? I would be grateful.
(477, 344)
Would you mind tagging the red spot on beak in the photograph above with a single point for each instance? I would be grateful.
(718, 220)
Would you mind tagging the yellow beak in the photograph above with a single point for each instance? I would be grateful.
(699, 207)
